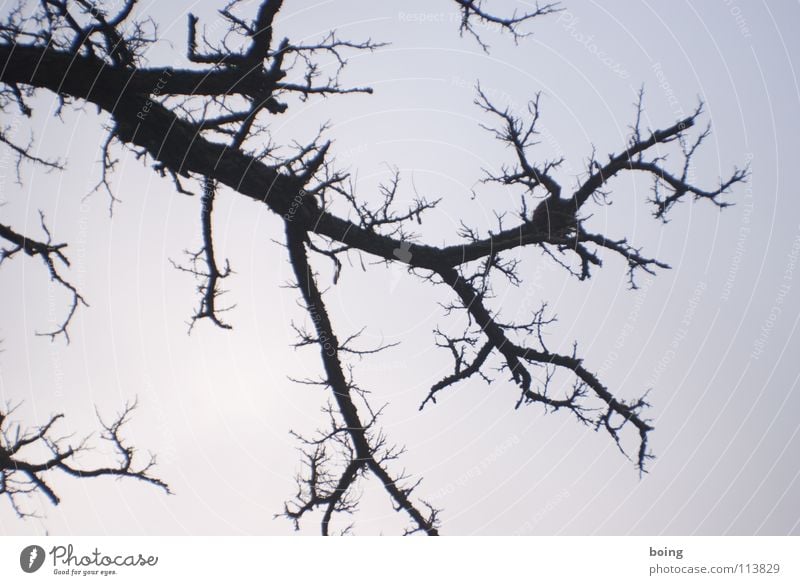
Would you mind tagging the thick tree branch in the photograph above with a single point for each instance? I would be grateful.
(210, 123)
(364, 450)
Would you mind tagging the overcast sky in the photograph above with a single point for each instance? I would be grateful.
(715, 337)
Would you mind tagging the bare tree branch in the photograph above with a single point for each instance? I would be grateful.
(51, 255)
(474, 15)
(211, 122)
(365, 447)
(211, 275)
(23, 474)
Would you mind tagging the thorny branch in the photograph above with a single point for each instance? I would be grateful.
(29, 458)
(475, 15)
(209, 274)
(51, 255)
(210, 123)
(362, 446)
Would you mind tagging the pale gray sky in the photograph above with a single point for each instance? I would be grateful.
(217, 406)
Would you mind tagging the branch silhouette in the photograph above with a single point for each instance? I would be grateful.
(25, 472)
(209, 123)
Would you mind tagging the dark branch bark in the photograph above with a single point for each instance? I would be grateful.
(177, 117)
(364, 452)
(23, 474)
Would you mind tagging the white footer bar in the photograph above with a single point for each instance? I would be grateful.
(371, 560)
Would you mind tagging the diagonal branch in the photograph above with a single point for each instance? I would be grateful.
(210, 274)
(364, 451)
(51, 254)
(515, 356)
